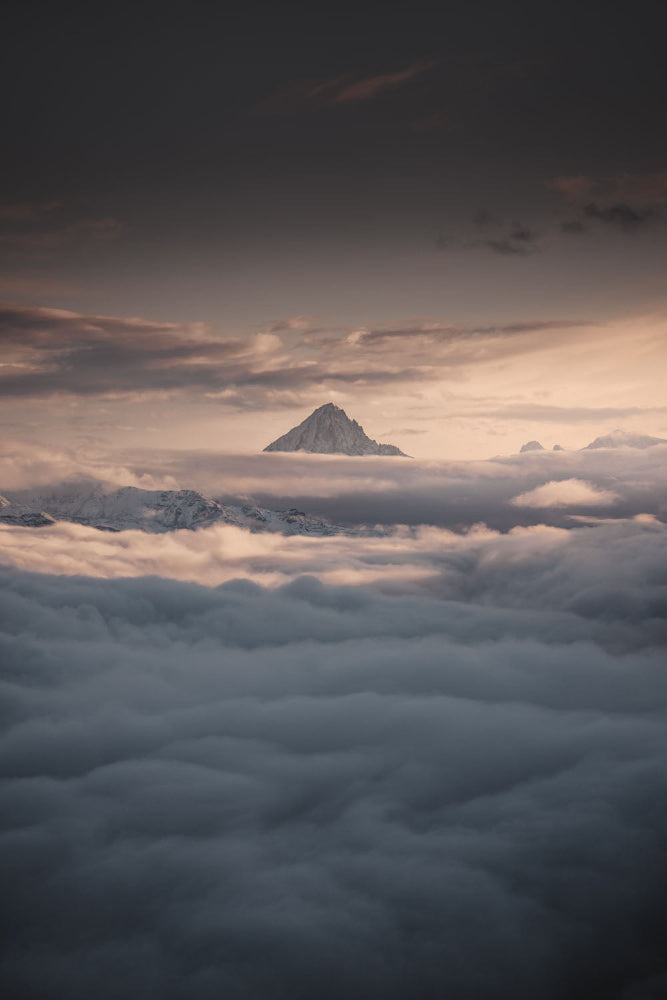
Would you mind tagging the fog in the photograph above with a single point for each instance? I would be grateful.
(448, 781)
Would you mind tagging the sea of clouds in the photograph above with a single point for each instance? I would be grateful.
(543, 487)
(423, 766)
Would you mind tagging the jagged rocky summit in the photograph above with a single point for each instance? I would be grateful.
(155, 511)
(531, 446)
(329, 431)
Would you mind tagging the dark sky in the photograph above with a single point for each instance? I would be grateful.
(217, 136)
(139, 99)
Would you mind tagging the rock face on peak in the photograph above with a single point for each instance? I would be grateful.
(531, 446)
(624, 439)
(329, 431)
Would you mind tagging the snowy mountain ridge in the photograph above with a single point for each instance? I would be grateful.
(624, 439)
(329, 431)
(155, 511)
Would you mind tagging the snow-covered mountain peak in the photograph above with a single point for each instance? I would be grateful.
(155, 511)
(329, 431)
(624, 439)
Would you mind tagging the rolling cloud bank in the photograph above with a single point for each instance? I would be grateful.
(448, 780)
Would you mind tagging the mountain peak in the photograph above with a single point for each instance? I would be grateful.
(129, 508)
(624, 439)
(329, 431)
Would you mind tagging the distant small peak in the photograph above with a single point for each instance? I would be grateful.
(620, 438)
(531, 446)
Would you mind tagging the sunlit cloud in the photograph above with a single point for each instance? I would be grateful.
(565, 493)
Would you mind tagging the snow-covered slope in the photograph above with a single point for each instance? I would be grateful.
(154, 511)
(624, 439)
(22, 516)
(329, 431)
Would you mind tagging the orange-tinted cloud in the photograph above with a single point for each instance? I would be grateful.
(369, 87)
(347, 88)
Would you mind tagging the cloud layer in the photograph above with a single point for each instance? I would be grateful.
(54, 351)
(374, 490)
(326, 791)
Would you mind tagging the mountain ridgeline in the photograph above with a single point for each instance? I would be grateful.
(155, 511)
(329, 431)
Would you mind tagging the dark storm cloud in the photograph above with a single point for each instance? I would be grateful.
(522, 234)
(625, 201)
(51, 351)
(518, 240)
(54, 351)
(453, 333)
(623, 216)
(58, 351)
(108, 373)
(485, 219)
(58, 328)
(323, 791)
(508, 247)
(551, 413)
(573, 227)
